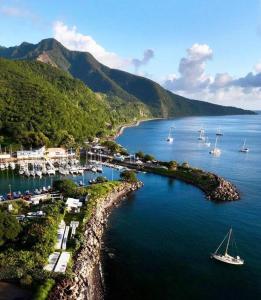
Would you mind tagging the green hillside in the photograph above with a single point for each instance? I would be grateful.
(40, 104)
(126, 86)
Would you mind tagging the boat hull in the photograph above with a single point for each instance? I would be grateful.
(227, 259)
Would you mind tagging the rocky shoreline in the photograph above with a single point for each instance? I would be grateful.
(86, 282)
(225, 191)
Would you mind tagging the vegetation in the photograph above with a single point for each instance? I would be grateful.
(143, 97)
(148, 157)
(44, 289)
(24, 258)
(129, 176)
(9, 228)
(42, 105)
(204, 180)
(140, 155)
(114, 148)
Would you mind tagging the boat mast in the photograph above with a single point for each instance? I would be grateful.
(216, 143)
(230, 231)
(221, 243)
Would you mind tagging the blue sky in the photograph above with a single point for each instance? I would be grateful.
(227, 35)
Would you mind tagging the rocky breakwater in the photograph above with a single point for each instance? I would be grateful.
(86, 282)
(225, 191)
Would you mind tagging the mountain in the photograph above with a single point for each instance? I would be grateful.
(40, 104)
(128, 87)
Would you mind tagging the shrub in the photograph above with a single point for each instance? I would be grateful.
(65, 186)
(149, 157)
(26, 280)
(9, 227)
(129, 176)
(140, 154)
(44, 290)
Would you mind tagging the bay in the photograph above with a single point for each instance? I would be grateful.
(158, 242)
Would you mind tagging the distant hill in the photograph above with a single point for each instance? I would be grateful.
(40, 104)
(128, 87)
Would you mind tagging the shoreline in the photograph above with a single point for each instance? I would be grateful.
(121, 128)
(87, 281)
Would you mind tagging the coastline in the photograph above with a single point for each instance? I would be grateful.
(86, 282)
(121, 128)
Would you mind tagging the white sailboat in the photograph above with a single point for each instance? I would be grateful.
(207, 143)
(215, 151)
(225, 257)
(219, 132)
(170, 138)
(201, 134)
(244, 148)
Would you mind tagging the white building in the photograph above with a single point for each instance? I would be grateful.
(73, 205)
(31, 154)
(56, 153)
(5, 156)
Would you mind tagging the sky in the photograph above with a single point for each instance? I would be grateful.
(206, 50)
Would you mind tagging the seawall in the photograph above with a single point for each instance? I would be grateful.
(86, 282)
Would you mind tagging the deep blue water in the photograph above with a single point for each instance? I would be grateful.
(158, 241)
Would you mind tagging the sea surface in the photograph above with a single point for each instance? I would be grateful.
(158, 241)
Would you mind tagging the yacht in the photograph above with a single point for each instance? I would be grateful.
(201, 134)
(244, 148)
(219, 132)
(207, 143)
(12, 165)
(215, 151)
(170, 138)
(225, 257)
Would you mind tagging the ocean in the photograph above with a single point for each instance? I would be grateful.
(158, 241)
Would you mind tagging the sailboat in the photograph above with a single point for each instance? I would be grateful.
(244, 148)
(226, 258)
(219, 132)
(207, 143)
(201, 134)
(215, 151)
(170, 137)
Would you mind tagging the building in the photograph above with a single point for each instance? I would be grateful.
(31, 154)
(56, 153)
(5, 156)
(73, 205)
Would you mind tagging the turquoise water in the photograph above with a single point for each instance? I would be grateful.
(159, 240)
(21, 183)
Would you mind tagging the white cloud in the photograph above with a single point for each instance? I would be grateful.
(257, 67)
(71, 38)
(221, 80)
(74, 40)
(192, 70)
(194, 83)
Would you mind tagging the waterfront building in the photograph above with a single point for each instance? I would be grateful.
(73, 205)
(5, 156)
(31, 154)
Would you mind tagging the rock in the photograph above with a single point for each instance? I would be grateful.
(86, 283)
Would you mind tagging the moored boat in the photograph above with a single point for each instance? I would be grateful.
(225, 257)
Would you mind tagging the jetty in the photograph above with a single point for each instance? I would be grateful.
(216, 188)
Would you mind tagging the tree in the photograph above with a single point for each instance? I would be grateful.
(149, 157)
(9, 227)
(185, 165)
(111, 145)
(129, 176)
(65, 186)
(173, 165)
(140, 154)
(101, 179)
